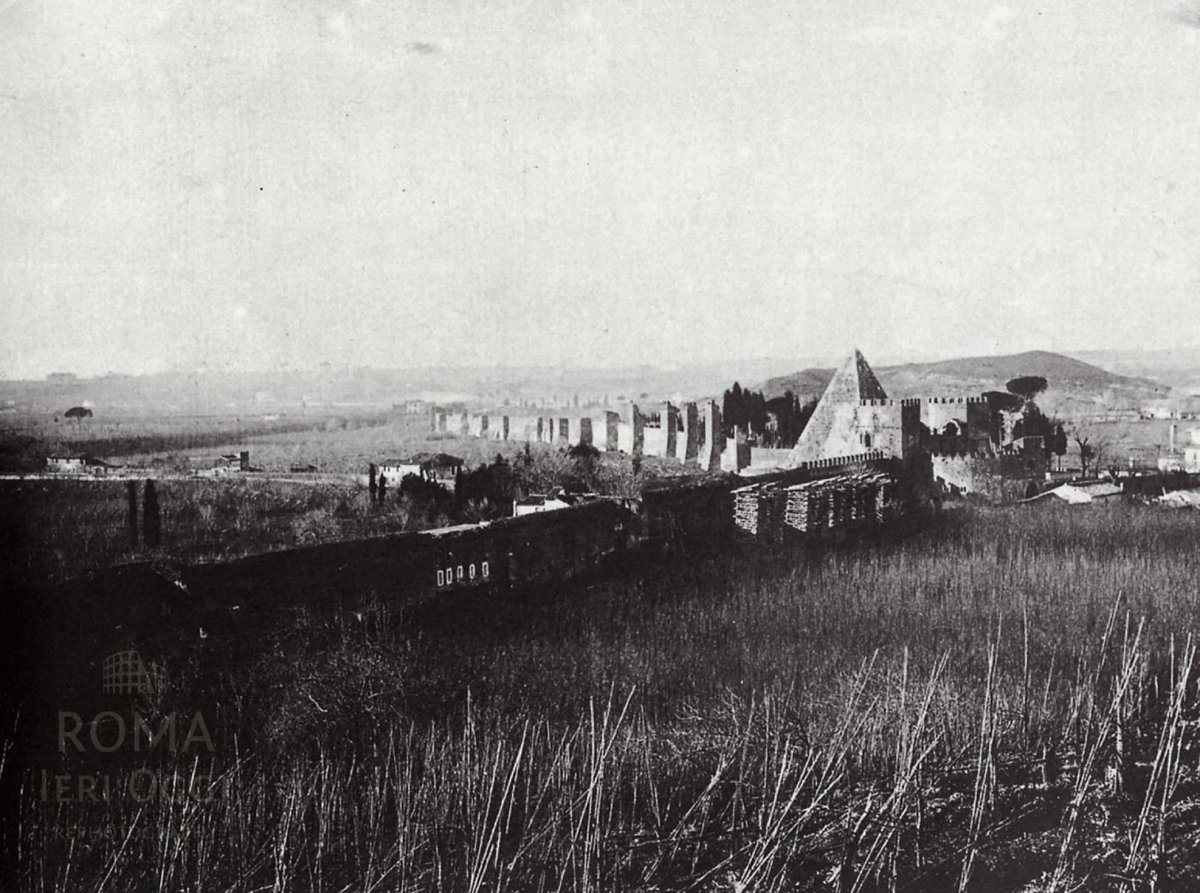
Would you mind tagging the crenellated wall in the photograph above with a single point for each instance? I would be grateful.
(523, 428)
(982, 423)
(1006, 477)
(737, 451)
(612, 431)
(638, 423)
(666, 431)
(968, 418)
(844, 463)
(691, 443)
(655, 430)
(625, 438)
(671, 427)
(889, 426)
(710, 437)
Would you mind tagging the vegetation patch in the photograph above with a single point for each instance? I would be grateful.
(1004, 700)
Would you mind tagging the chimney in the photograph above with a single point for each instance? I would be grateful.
(1171, 449)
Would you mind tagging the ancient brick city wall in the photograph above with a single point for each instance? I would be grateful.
(689, 434)
(1002, 478)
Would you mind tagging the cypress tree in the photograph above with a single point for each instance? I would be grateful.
(131, 490)
(374, 486)
(151, 520)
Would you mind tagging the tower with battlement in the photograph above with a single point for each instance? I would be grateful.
(854, 415)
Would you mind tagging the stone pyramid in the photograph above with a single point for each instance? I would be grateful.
(830, 432)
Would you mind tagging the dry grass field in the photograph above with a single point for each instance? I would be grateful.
(335, 442)
(1142, 440)
(348, 448)
(26, 439)
(1002, 700)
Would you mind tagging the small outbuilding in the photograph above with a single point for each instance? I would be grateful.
(77, 463)
(1181, 499)
(1082, 492)
(535, 503)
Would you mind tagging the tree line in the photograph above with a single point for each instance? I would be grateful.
(487, 491)
(775, 423)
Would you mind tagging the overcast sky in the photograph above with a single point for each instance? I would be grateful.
(266, 184)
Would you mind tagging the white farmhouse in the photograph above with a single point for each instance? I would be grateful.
(438, 468)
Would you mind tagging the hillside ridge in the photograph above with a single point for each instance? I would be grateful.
(964, 375)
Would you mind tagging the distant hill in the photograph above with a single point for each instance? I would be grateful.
(807, 384)
(1063, 373)
(357, 389)
(1178, 367)
(329, 387)
(1074, 384)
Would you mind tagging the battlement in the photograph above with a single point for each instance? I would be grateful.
(943, 400)
(842, 461)
(907, 402)
(966, 452)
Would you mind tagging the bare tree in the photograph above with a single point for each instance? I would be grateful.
(1091, 452)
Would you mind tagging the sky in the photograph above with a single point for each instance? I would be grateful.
(275, 184)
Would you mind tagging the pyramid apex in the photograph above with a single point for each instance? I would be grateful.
(826, 433)
(856, 380)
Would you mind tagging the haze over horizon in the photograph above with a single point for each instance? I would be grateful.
(250, 186)
(763, 366)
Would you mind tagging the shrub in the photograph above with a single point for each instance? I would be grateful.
(315, 527)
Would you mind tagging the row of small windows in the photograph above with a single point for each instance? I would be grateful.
(449, 575)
